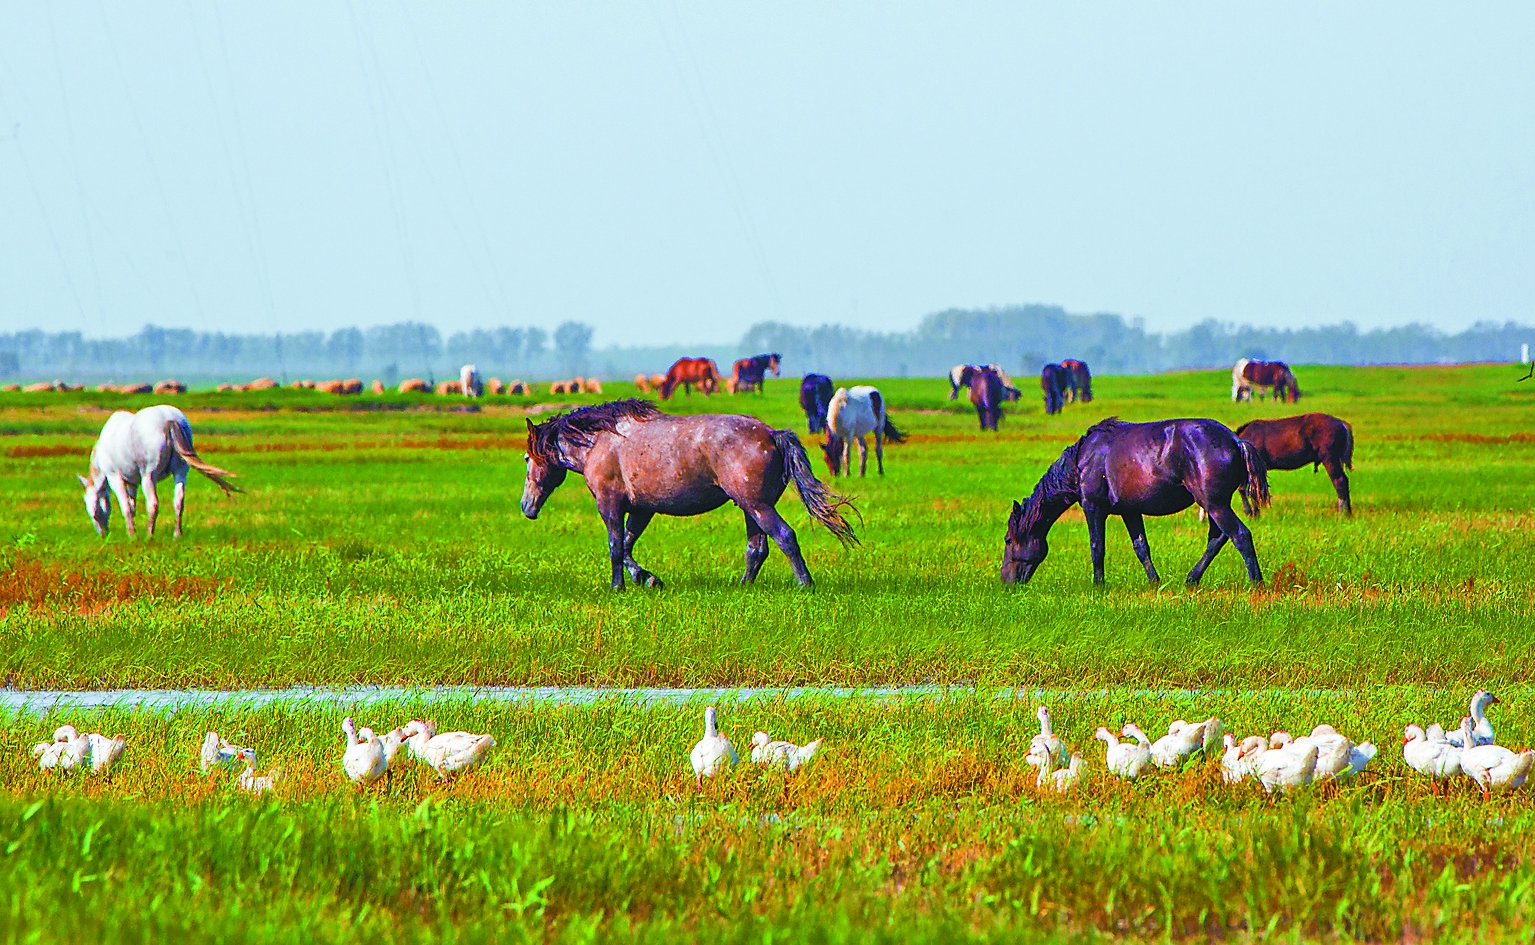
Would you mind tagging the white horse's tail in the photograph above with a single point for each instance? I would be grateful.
(181, 440)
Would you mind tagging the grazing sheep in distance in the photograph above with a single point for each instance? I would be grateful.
(414, 384)
(170, 386)
(522, 388)
(449, 387)
(642, 383)
(494, 386)
(261, 383)
(378, 386)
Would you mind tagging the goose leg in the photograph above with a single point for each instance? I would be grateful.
(634, 527)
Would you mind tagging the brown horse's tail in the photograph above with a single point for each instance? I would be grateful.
(1255, 492)
(824, 505)
(181, 440)
(1348, 445)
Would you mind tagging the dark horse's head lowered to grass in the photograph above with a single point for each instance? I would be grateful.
(1138, 469)
(639, 462)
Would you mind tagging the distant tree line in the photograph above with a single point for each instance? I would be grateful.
(1020, 338)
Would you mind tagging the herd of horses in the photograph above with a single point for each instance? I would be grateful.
(638, 462)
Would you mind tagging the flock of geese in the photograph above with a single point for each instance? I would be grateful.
(1279, 762)
(1282, 762)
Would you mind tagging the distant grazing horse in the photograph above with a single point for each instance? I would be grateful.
(986, 394)
(1137, 469)
(1315, 438)
(143, 448)
(748, 373)
(688, 373)
(1262, 376)
(639, 462)
(1053, 380)
(469, 381)
(853, 414)
(1079, 381)
(814, 398)
(961, 374)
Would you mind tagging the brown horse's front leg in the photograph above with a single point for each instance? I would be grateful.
(1136, 526)
(1096, 519)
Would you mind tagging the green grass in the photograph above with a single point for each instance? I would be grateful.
(384, 545)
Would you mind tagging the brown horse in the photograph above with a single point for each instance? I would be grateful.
(1079, 381)
(1315, 438)
(986, 394)
(639, 462)
(688, 373)
(748, 373)
(1138, 469)
(1248, 377)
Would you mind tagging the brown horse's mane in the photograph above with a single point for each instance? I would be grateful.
(580, 427)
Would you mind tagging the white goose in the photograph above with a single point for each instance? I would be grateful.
(1481, 728)
(1237, 759)
(1283, 768)
(1182, 740)
(1337, 756)
(217, 753)
(713, 752)
(391, 740)
(1123, 759)
(1068, 776)
(413, 728)
(1493, 767)
(67, 750)
(1047, 736)
(784, 754)
(450, 754)
(105, 753)
(364, 758)
(248, 779)
(1434, 757)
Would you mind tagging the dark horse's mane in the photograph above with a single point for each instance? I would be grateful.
(580, 427)
(1062, 478)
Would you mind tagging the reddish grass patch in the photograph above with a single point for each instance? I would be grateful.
(90, 592)
(1480, 439)
(29, 452)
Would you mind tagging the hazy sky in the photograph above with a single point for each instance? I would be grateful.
(672, 171)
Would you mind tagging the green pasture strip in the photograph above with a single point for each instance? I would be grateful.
(385, 546)
(919, 821)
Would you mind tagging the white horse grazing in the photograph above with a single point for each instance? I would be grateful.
(853, 414)
(470, 382)
(143, 447)
(1239, 384)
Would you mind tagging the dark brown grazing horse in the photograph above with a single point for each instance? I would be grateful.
(1079, 380)
(639, 462)
(1138, 469)
(688, 373)
(1261, 376)
(1315, 438)
(748, 373)
(1053, 380)
(986, 394)
(814, 397)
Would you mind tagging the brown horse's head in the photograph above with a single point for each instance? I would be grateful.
(1024, 549)
(833, 449)
(545, 470)
(772, 364)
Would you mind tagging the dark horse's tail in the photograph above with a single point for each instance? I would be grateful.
(1255, 492)
(1348, 447)
(890, 434)
(823, 504)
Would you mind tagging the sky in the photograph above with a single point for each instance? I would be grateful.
(673, 172)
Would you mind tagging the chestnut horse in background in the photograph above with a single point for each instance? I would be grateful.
(1138, 469)
(1079, 381)
(1053, 380)
(962, 374)
(1262, 376)
(987, 392)
(688, 373)
(748, 373)
(639, 462)
(1315, 438)
(815, 393)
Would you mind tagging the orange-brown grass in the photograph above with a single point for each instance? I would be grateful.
(28, 582)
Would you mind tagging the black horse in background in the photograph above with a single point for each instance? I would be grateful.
(1079, 380)
(987, 392)
(1054, 380)
(1138, 469)
(814, 397)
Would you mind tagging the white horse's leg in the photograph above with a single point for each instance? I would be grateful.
(124, 500)
(151, 502)
(863, 455)
(879, 445)
(180, 500)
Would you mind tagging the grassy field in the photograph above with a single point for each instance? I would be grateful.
(379, 541)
